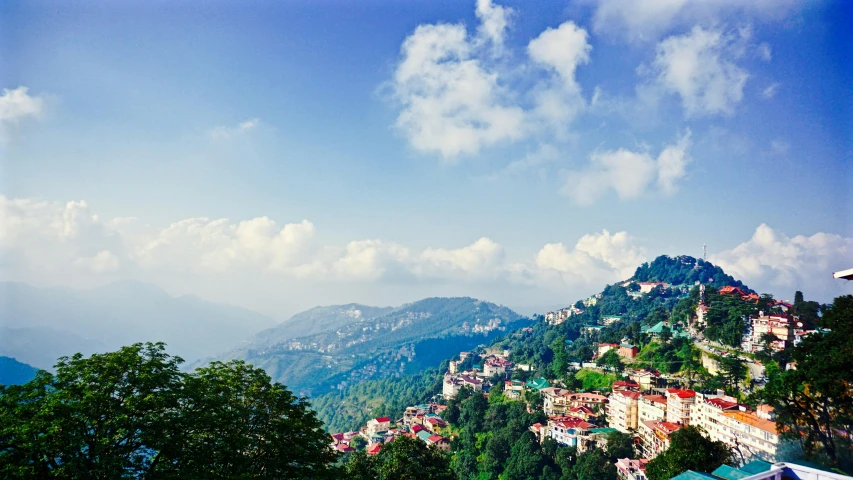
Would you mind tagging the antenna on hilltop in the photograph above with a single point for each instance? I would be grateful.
(704, 253)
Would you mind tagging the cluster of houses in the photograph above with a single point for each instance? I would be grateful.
(419, 421)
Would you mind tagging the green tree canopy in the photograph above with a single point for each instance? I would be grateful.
(689, 450)
(133, 414)
(403, 459)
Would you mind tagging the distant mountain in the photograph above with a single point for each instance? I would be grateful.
(345, 347)
(319, 320)
(13, 372)
(41, 324)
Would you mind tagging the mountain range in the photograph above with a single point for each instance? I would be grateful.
(328, 348)
(38, 325)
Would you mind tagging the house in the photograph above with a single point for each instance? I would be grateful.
(537, 383)
(646, 378)
(374, 449)
(678, 405)
(343, 448)
(755, 437)
(605, 347)
(647, 287)
(454, 366)
(568, 430)
(434, 423)
(655, 436)
(779, 325)
(622, 410)
(376, 426)
(629, 469)
(627, 350)
(513, 389)
(701, 313)
(452, 384)
(657, 329)
(625, 385)
(764, 471)
(610, 319)
(584, 412)
(651, 408)
(439, 442)
(496, 366)
(539, 431)
(706, 412)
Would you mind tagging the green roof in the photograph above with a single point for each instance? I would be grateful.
(756, 466)
(730, 473)
(691, 475)
(538, 383)
(601, 430)
(424, 435)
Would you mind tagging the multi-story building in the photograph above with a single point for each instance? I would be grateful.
(779, 325)
(376, 426)
(655, 436)
(452, 384)
(706, 412)
(496, 366)
(751, 435)
(622, 410)
(629, 469)
(605, 347)
(651, 408)
(559, 401)
(568, 431)
(678, 405)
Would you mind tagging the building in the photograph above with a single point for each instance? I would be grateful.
(629, 469)
(454, 366)
(651, 408)
(434, 423)
(376, 426)
(622, 410)
(754, 437)
(625, 385)
(627, 350)
(706, 413)
(758, 470)
(554, 401)
(496, 366)
(606, 347)
(779, 325)
(452, 384)
(678, 405)
(655, 436)
(374, 449)
(439, 442)
(646, 378)
(537, 383)
(513, 389)
(647, 287)
(568, 431)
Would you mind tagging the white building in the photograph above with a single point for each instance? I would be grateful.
(651, 408)
(622, 410)
(678, 405)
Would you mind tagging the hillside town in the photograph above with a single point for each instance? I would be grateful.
(641, 402)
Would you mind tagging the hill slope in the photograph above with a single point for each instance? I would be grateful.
(13, 372)
(119, 314)
(396, 342)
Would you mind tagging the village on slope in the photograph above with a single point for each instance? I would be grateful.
(642, 402)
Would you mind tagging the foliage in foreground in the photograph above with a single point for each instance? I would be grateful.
(404, 458)
(134, 414)
(689, 450)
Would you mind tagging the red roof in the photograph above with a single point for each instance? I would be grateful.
(624, 383)
(682, 393)
(608, 344)
(720, 403)
(436, 438)
(655, 398)
(382, 419)
(417, 428)
(374, 449)
(630, 394)
(342, 447)
(582, 408)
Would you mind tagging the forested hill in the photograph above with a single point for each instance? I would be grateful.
(684, 270)
(375, 343)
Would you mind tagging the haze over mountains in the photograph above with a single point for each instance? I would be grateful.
(41, 324)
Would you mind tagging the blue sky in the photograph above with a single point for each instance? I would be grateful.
(385, 151)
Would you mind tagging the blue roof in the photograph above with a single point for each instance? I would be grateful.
(730, 473)
(424, 435)
(691, 475)
(756, 466)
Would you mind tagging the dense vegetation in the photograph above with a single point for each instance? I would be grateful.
(404, 458)
(685, 270)
(378, 343)
(689, 450)
(133, 414)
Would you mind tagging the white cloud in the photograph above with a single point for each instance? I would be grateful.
(226, 133)
(772, 262)
(18, 104)
(560, 51)
(770, 91)
(634, 20)
(764, 51)
(494, 21)
(699, 67)
(481, 258)
(595, 259)
(103, 261)
(451, 103)
(630, 174)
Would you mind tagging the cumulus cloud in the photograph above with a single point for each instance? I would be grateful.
(560, 50)
(634, 20)
(17, 105)
(770, 261)
(595, 259)
(103, 261)
(699, 67)
(455, 93)
(226, 133)
(630, 174)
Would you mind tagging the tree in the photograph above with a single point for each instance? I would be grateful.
(594, 464)
(815, 400)
(611, 361)
(358, 443)
(732, 370)
(689, 450)
(560, 364)
(525, 461)
(405, 458)
(620, 445)
(665, 334)
(133, 414)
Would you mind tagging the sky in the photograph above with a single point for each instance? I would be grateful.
(281, 155)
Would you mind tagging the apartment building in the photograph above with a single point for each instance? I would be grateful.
(655, 436)
(678, 405)
(651, 408)
(622, 410)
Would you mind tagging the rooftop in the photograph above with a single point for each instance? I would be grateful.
(752, 420)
